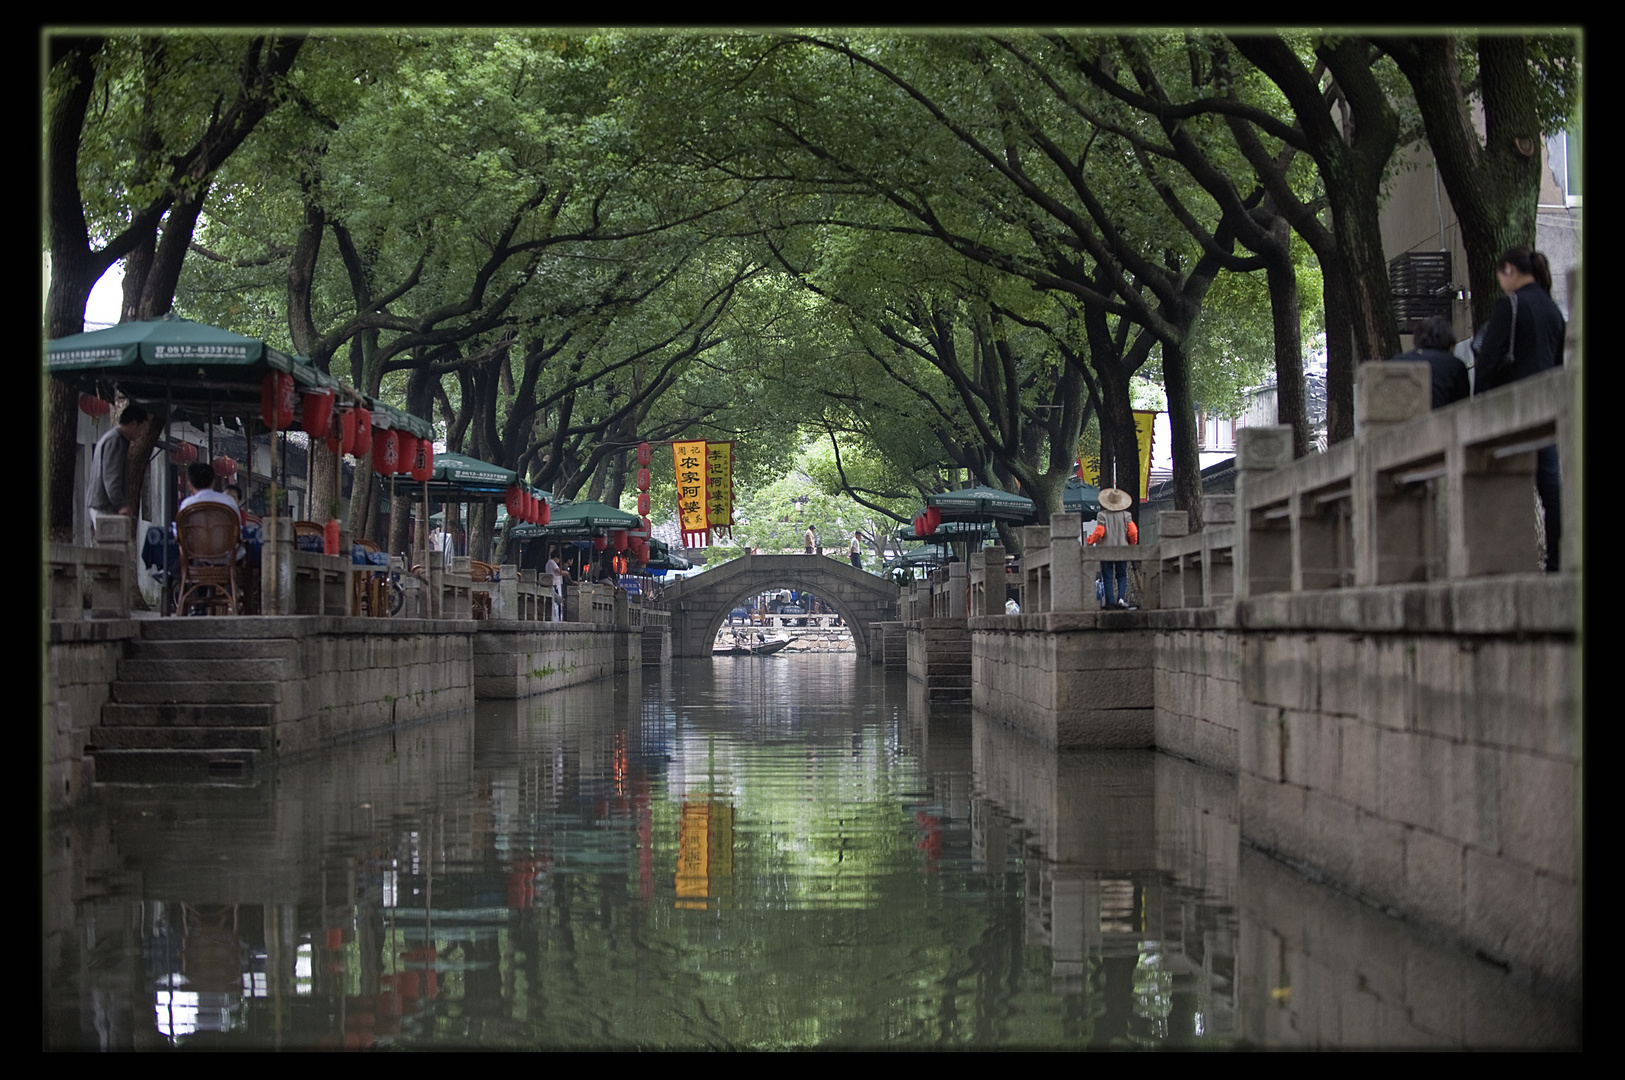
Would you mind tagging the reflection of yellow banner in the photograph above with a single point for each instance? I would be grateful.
(704, 853)
(1089, 465)
(689, 457)
(719, 484)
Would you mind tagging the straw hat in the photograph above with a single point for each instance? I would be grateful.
(1114, 499)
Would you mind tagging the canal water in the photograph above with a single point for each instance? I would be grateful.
(777, 852)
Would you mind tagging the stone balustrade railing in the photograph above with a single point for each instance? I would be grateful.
(1417, 495)
(93, 583)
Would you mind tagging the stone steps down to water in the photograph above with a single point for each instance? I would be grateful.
(173, 717)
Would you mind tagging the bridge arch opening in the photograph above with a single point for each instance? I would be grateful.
(714, 622)
(700, 604)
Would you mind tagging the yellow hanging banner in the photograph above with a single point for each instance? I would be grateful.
(1089, 466)
(689, 458)
(719, 485)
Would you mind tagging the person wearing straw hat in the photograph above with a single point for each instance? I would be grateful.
(1115, 526)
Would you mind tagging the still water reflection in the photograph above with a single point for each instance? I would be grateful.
(774, 852)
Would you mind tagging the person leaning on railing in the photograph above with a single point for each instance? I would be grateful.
(1116, 527)
(1524, 337)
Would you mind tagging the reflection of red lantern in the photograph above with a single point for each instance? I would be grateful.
(277, 400)
(91, 405)
(644, 454)
(643, 503)
(385, 461)
(423, 461)
(330, 537)
(224, 467)
(618, 538)
(316, 412)
(643, 479)
(600, 543)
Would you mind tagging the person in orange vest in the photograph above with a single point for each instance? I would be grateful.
(1115, 526)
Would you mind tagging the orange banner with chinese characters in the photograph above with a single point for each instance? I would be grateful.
(719, 486)
(692, 516)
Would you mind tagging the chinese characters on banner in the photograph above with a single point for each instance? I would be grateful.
(692, 516)
(1089, 466)
(705, 489)
(719, 486)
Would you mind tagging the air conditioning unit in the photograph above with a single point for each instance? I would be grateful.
(1421, 284)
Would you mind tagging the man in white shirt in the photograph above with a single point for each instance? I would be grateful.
(200, 478)
(555, 570)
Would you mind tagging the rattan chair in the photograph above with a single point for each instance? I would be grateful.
(208, 534)
(480, 599)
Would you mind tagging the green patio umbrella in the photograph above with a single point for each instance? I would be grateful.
(925, 555)
(1080, 498)
(954, 532)
(174, 359)
(580, 520)
(982, 504)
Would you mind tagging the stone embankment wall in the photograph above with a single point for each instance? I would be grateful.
(1420, 748)
(188, 696)
(1416, 745)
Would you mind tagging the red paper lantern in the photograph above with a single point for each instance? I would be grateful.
(511, 501)
(316, 412)
(933, 518)
(91, 405)
(278, 400)
(648, 530)
(643, 479)
(544, 511)
(423, 461)
(183, 454)
(224, 467)
(644, 455)
(617, 537)
(385, 452)
(600, 543)
(643, 503)
(363, 433)
(406, 448)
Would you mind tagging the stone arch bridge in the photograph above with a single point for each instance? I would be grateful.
(700, 603)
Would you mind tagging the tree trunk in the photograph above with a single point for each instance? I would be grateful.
(1286, 320)
(1182, 428)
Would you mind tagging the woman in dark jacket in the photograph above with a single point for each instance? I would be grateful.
(1525, 333)
(1525, 337)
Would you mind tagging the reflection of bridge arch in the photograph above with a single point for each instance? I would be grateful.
(700, 603)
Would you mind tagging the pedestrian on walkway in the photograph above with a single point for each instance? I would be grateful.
(1524, 337)
(105, 493)
(1114, 526)
(810, 539)
(1434, 339)
(856, 551)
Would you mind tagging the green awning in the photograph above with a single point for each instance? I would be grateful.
(981, 504)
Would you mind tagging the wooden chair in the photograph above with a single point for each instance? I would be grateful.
(208, 534)
(480, 606)
(304, 532)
